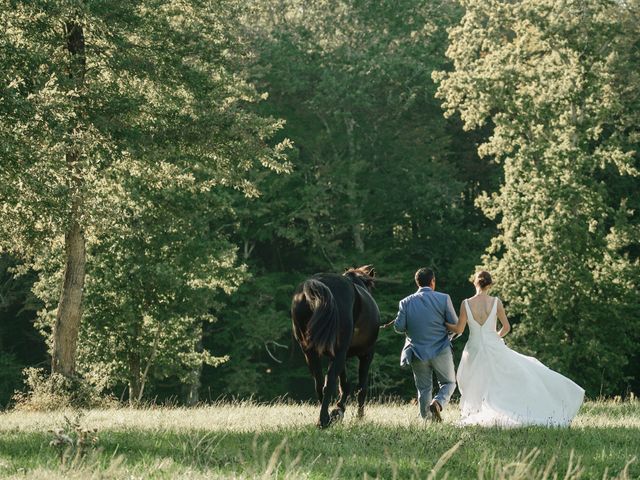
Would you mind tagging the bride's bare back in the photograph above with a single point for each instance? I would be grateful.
(481, 306)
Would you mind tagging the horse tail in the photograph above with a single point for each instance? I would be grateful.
(322, 329)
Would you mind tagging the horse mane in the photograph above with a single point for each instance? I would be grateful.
(364, 276)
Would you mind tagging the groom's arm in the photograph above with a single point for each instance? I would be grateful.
(400, 323)
(459, 327)
(450, 313)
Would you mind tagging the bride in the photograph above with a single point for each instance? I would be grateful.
(500, 386)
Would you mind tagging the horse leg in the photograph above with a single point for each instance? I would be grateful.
(363, 381)
(336, 366)
(315, 367)
(345, 388)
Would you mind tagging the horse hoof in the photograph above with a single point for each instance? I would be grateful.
(336, 415)
(324, 422)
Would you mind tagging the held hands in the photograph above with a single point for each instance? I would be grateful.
(388, 324)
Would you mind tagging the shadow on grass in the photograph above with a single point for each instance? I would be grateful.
(377, 451)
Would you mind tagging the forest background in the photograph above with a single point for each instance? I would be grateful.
(211, 155)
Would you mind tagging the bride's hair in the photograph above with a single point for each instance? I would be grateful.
(483, 278)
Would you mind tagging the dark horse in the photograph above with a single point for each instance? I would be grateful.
(336, 316)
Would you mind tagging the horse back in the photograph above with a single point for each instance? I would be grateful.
(341, 288)
(366, 323)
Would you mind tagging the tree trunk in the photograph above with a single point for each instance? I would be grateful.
(192, 389)
(137, 377)
(357, 237)
(134, 378)
(248, 249)
(352, 188)
(69, 314)
(65, 332)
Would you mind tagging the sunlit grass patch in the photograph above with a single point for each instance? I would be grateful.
(255, 417)
(250, 440)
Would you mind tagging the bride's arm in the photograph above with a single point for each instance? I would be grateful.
(462, 321)
(502, 316)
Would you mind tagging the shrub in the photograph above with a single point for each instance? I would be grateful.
(55, 391)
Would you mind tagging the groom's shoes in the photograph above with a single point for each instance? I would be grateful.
(435, 410)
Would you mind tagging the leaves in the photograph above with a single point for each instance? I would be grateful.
(163, 134)
(544, 73)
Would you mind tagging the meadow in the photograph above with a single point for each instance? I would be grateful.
(250, 440)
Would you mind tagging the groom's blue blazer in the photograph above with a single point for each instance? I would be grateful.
(421, 317)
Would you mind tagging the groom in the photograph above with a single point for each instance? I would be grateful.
(422, 317)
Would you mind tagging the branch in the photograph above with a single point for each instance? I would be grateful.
(266, 346)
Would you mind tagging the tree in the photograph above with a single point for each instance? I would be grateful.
(546, 75)
(123, 105)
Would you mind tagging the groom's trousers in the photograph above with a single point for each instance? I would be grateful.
(442, 364)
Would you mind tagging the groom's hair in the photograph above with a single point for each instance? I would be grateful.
(424, 276)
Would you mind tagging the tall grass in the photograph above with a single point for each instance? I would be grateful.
(250, 440)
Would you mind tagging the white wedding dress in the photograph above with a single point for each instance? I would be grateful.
(500, 387)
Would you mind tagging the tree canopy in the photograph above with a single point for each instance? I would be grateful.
(548, 76)
(171, 170)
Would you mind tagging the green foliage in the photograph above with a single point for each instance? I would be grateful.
(163, 134)
(379, 176)
(20, 343)
(546, 74)
(254, 330)
(10, 376)
(374, 158)
(194, 246)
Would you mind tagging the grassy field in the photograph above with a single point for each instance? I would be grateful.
(246, 440)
